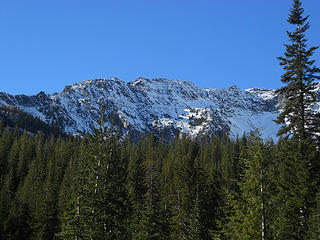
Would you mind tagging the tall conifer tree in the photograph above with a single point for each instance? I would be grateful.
(98, 208)
(248, 206)
(298, 117)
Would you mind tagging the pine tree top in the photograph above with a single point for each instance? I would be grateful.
(296, 12)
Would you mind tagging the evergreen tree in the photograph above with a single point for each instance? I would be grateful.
(271, 177)
(194, 231)
(152, 221)
(99, 206)
(25, 156)
(136, 175)
(314, 231)
(46, 212)
(294, 197)
(166, 186)
(137, 190)
(11, 179)
(298, 116)
(248, 206)
(5, 145)
(5, 203)
(297, 179)
(1, 126)
(67, 186)
(17, 224)
(181, 200)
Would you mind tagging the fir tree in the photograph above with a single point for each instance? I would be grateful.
(17, 224)
(297, 165)
(314, 231)
(194, 231)
(248, 206)
(98, 207)
(5, 145)
(152, 221)
(298, 117)
(67, 186)
(294, 197)
(25, 156)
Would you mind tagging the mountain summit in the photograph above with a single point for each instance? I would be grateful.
(160, 105)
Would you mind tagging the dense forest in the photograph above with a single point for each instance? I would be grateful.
(102, 185)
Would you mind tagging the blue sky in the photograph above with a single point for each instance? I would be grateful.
(45, 45)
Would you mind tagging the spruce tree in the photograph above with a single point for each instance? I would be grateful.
(294, 195)
(314, 230)
(298, 116)
(194, 230)
(247, 220)
(25, 156)
(17, 224)
(297, 166)
(46, 212)
(5, 145)
(152, 220)
(137, 189)
(98, 208)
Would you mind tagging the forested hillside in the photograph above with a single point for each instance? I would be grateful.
(14, 117)
(104, 187)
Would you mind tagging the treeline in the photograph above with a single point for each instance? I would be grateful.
(105, 187)
(14, 117)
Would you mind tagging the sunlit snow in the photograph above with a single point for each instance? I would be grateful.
(154, 105)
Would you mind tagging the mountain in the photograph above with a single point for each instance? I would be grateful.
(13, 118)
(160, 105)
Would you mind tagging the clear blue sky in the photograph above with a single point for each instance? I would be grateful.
(45, 45)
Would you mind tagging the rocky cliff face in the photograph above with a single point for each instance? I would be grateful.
(145, 105)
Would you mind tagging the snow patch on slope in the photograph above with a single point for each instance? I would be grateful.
(155, 105)
(264, 121)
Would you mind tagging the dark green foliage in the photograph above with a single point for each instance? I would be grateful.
(184, 189)
(12, 117)
(5, 145)
(294, 197)
(246, 218)
(16, 226)
(99, 202)
(297, 178)
(314, 221)
(298, 117)
(30, 180)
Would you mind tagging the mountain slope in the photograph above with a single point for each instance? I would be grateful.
(13, 117)
(169, 106)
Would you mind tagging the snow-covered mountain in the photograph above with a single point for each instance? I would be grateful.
(145, 105)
